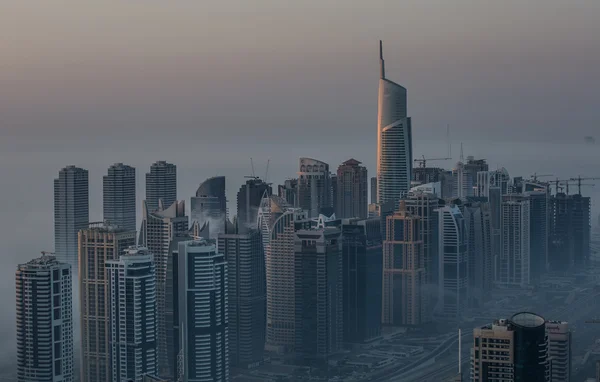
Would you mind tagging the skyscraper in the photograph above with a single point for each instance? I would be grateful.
(394, 139)
(158, 230)
(451, 243)
(361, 274)
(486, 180)
(538, 233)
(289, 191)
(97, 244)
(404, 275)
(462, 182)
(248, 202)
(161, 183)
(352, 190)
(44, 321)
(318, 292)
(247, 296)
(210, 205)
(314, 186)
(71, 212)
(559, 350)
(132, 315)
(202, 312)
(569, 231)
(119, 196)
(512, 267)
(373, 190)
(511, 350)
(481, 260)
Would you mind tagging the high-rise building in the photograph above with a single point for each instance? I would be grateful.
(132, 315)
(201, 311)
(288, 191)
(474, 166)
(569, 232)
(247, 296)
(71, 212)
(98, 244)
(119, 196)
(210, 205)
(318, 292)
(559, 350)
(161, 184)
(361, 274)
(248, 202)
(279, 223)
(394, 139)
(314, 186)
(373, 190)
(512, 267)
(352, 191)
(44, 321)
(158, 230)
(462, 182)
(404, 277)
(538, 233)
(486, 180)
(481, 260)
(511, 350)
(451, 243)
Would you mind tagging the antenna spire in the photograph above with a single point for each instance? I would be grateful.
(381, 62)
(462, 156)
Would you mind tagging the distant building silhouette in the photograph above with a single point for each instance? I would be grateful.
(210, 205)
(314, 187)
(248, 202)
(352, 190)
(569, 231)
(161, 183)
(119, 196)
(289, 192)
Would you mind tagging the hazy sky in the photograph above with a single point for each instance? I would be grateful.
(281, 70)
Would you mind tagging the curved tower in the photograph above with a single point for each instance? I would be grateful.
(394, 139)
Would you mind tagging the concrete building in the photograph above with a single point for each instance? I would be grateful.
(513, 265)
(450, 235)
(394, 139)
(98, 244)
(559, 350)
(362, 268)
(569, 231)
(288, 191)
(44, 321)
(462, 182)
(538, 233)
(157, 232)
(352, 190)
(161, 184)
(473, 167)
(487, 180)
(119, 196)
(71, 212)
(511, 350)
(133, 315)
(404, 275)
(248, 202)
(318, 292)
(210, 205)
(201, 312)
(477, 217)
(247, 296)
(314, 186)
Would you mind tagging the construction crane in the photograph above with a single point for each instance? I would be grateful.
(535, 176)
(566, 182)
(579, 179)
(423, 162)
(46, 253)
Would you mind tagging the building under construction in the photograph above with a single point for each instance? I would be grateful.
(569, 231)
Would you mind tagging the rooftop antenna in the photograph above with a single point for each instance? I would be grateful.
(381, 63)
(448, 141)
(267, 171)
(462, 156)
(252, 164)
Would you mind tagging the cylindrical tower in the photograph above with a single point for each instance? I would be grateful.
(531, 348)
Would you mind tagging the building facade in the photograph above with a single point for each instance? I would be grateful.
(98, 244)
(71, 212)
(133, 315)
(210, 205)
(202, 312)
(314, 186)
(513, 264)
(119, 196)
(247, 296)
(559, 350)
(569, 231)
(404, 275)
(352, 190)
(289, 192)
(44, 321)
(248, 202)
(318, 292)
(161, 184)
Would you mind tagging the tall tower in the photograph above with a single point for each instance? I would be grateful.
(210, 205)
(247, 296)
(119, 196)
(352, 190)
(248, 202)
(559, 350)
(202, 311)
(161, 183)
(132, 314)
(314, 187)
(71, 212)
(394, 139)
(512, 268)
(404, 273)
(158, 230)
(97, 244)
(44, 321)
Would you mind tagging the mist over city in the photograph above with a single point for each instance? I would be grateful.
(300, 191)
